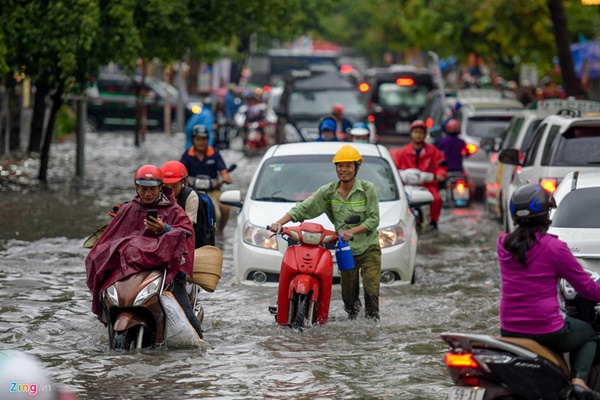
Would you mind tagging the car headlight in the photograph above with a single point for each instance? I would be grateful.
(112, 296)
(259, 237)
(291, 134)
(392, 235)
(148, 290)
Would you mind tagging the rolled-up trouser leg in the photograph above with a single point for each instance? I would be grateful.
(370, 268)
(350, 283)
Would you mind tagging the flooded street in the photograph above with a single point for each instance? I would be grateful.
(45, 303)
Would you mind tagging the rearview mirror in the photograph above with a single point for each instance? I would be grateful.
(232, 198)
(510, 156)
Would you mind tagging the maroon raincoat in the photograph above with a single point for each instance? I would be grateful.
(127, 247)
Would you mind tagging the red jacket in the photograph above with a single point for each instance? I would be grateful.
(429, 159)
(127, 247)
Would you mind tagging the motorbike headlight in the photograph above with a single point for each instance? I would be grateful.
(392, 235)
(259, 237)
(112, 296)
(195, 108)
(291, 134)
(148, 290)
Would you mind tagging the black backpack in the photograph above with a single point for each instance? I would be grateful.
(206, 222)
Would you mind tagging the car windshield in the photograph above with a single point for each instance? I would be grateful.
(319, 102)
(393, 95)
(575, 210)
(488, 126)
(580, 146)
(294, 178)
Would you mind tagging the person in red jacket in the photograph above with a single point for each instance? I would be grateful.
(425, 157)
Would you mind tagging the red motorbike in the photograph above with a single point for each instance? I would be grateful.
(255, 137)
(306, 276)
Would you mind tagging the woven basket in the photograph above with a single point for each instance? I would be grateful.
(208, 263)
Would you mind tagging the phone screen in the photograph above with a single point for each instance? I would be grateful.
(151, 213)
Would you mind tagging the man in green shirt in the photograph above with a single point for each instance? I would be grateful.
(338, 200)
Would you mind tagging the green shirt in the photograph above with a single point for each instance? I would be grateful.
(362, 200)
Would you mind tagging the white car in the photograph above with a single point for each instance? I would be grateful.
(562, 143)
(520, 136)
(290, 173)
(576, 220)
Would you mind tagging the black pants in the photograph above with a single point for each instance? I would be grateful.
(184, 301)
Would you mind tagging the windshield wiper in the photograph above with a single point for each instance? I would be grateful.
(273, 198)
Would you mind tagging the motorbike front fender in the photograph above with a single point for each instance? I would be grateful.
(304, 284)
(126, 320)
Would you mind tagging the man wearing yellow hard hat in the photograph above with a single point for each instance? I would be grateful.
(338, 200)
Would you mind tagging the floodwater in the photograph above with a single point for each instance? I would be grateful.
(45, 303)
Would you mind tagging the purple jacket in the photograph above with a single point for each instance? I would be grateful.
(452, 147)
(531, 302)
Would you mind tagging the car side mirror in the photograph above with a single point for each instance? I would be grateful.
(232, 198)
(510, 156)
(488, 144)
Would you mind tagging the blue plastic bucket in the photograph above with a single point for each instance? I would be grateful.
(343, 256)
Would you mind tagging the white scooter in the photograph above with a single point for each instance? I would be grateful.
(419, 197)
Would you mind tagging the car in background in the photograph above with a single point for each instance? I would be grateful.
(483, 118)
(563, 143)
(519, 136)
(575, 220)
(396, 96)
(111, 105)
(309, 95)
(290, 173)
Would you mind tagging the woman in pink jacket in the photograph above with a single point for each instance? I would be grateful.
(532, 263)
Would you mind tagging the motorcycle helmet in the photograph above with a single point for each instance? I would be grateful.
(337, 108)
(327, 123)
(347, 153)
(148, 175)
(530, 204)
(453, 127)
(173, 171)
(418, 124)
(200, 130)
(359, 129)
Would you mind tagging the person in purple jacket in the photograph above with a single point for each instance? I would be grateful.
(532, 262)
(453, 147)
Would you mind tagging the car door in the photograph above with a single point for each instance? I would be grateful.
(532, 169)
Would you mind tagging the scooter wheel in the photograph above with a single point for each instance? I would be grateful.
(124, 340)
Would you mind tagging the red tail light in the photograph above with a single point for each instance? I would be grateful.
(461, 185)
(429, 122)
(363, 87)
(460, 360)
(371, 118)
(494, 158)
(405, 81)
(549, 184)
(266, 88)
(470, 381)
(346, 69)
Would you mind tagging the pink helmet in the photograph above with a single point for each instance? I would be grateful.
(453, 126)
(337, 108)
(418, 124)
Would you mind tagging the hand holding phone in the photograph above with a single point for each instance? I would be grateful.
(151, 213)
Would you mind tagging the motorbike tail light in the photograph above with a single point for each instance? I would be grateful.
(461, 185)
(429, 122)
(363, 87)
(470, 381)
(371, 118)
(549, 184)
(471, 148)
(460, 360)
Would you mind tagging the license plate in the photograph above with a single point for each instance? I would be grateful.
(466, 393)
(402, 127)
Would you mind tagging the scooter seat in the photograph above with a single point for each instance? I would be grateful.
(540, 350)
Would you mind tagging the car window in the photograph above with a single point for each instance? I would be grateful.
(513, 133)
(529, 134)
(574, 210)
(487, 126)
(578, 146)
(295, 178)
(319, 102)
(549, 142)
(393, 95)
(531, 152)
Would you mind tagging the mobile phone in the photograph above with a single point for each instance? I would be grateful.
(151, 213)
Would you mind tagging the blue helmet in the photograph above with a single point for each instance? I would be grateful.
(328, 123)
(360, 129)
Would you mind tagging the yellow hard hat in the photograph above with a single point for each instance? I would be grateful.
(347, 153)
